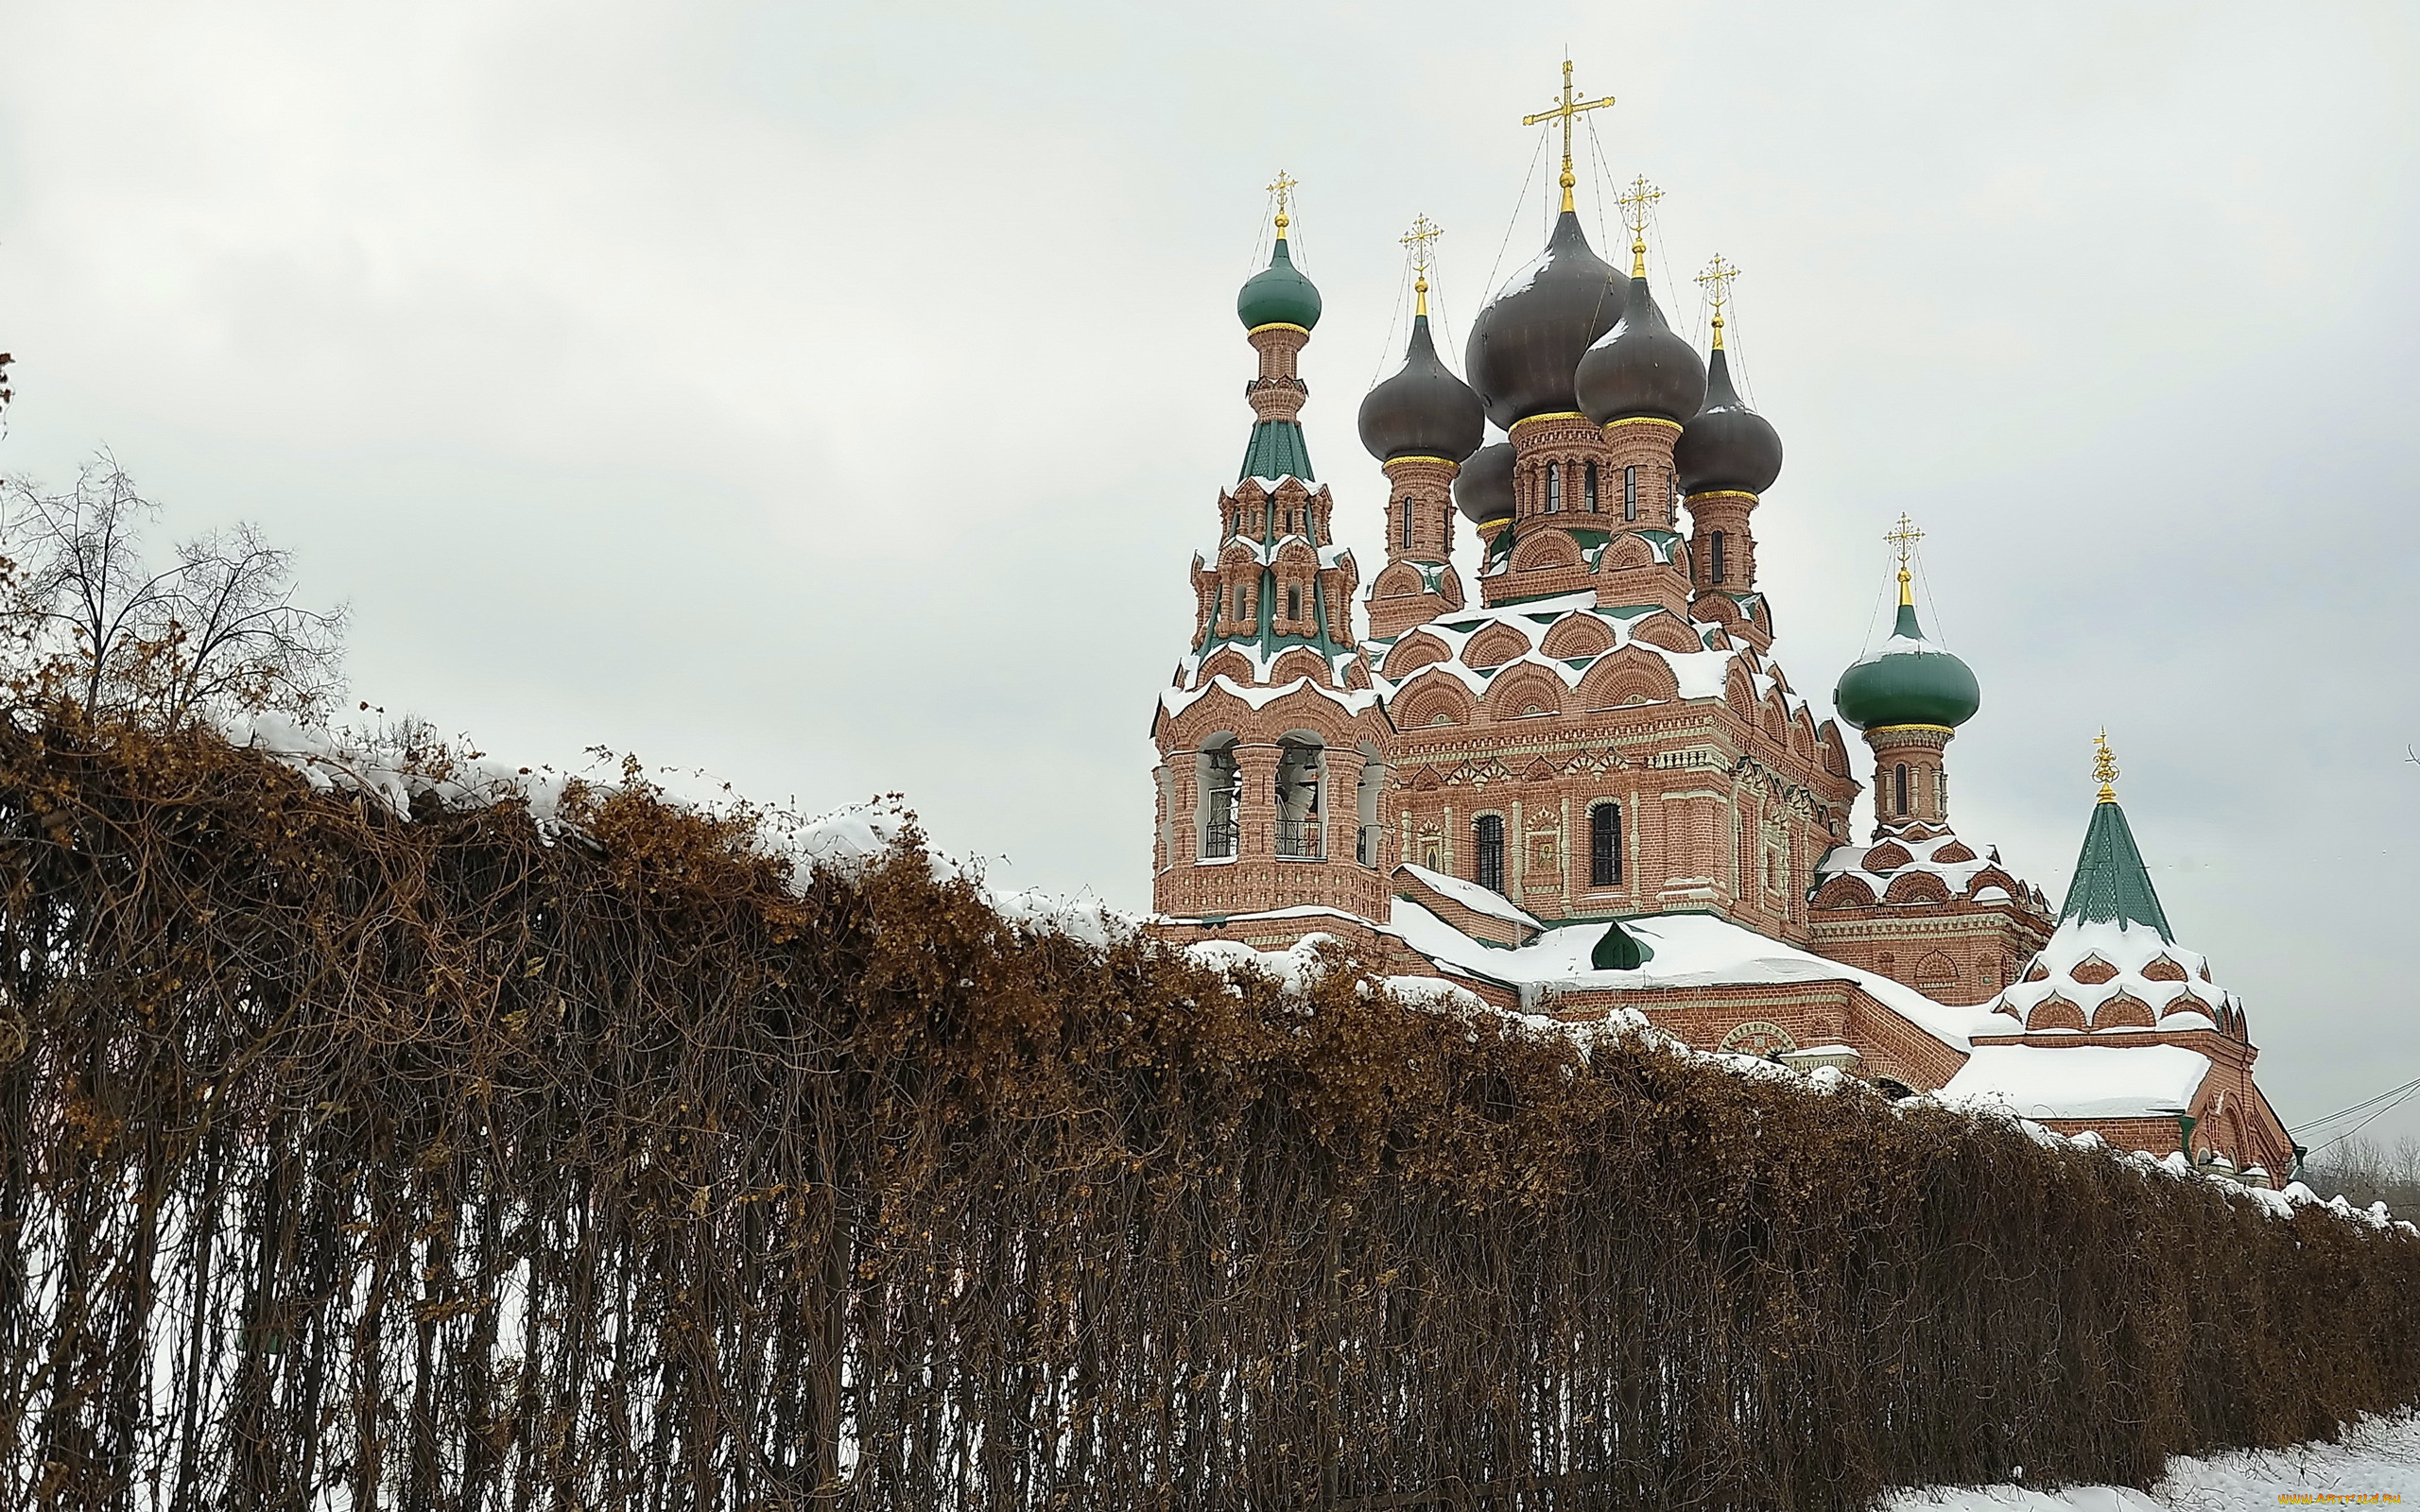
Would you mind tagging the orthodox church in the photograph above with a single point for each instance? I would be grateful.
(1595, 787)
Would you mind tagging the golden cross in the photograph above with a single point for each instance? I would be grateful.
(1571, 106)
(1636, 201)
(1904, 535)
(1284, 189)
(1716, 281)
(1422, 239)
(2104, 766)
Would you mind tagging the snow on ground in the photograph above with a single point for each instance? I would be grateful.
(2378, 1465)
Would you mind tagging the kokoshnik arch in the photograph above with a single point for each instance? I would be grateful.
(1597, 788)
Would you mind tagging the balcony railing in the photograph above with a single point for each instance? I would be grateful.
(1365, 845)
(1217, 842)
(1298, 839)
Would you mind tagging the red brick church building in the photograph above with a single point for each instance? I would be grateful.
(1584, 780)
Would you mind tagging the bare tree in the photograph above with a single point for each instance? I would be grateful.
(94, 623)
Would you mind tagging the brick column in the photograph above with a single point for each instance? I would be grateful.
(1920, 748)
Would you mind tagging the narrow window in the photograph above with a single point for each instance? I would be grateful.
(1489, 832)
(1294, 603)
(1588, 484)
(1243, 605)
(1941, 790)
(1554, 489)
(1605, 846)
(1629, 493)
(1899, 788)
(1718, 556)
(1407, 524)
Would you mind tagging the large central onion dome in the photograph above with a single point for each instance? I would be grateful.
(1640, 367)
(1483, 489)
(1908, 680)
(1423, 410)
(1278, 294)
(1727, 447)
(1527, 343)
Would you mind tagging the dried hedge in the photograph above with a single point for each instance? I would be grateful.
(351, 1161)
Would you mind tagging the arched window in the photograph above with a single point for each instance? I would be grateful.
(1243, 605)
(1899, 788)
(1629, 493)
(1605, 846)
(1588, 484)
(1297, 796)
(1294, 603)
(1407, 524)
(1554, 489)
(1488, 832)
(1715, 538)
(1221, 786)
(1941, 790)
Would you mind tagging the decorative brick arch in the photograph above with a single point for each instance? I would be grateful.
(1664, 628)
(1227, 663)
(1739, 691)
(1802, 733)
(1843, 891)
(2054, 1012)
(2162, 969)
(1495, 645)
(1398, 580)
(1836, 754)
(1356, 677)
(2092, 970)
(1524, 690)
(1414, 652)
(1628, 676)
(1775, 718)
(1624, 553)
(2124, 1012)
(1935, 969)
(1917, 887)
(1544, 551)
(1301, 661)
(1888, 857)
(1988, 877)
(1578, 635)
(1435, 700)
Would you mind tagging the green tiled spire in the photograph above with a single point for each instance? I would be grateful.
(2111, 882)
(1275, 449)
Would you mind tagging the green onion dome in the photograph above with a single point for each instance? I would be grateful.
(1483, 489)
(1278, 294)
(1528, 342)
(1641, 367)
(1423, 410)
(1728, 447)
(1907, 680)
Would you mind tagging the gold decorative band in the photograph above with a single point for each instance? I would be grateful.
(1534, 419)
(1420, 457)
(1642, 419)
(1489, 527)
(1724, 494)
(1278, 325)
(1887, 729)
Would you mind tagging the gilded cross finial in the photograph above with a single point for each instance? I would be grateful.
(1570, 106)
(1716, 281)
(1636, 202)
(1905, 535)
(1284, 189)
(1421, 241)
(2104, 766)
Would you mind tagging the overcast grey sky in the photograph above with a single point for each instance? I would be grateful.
(832, 396)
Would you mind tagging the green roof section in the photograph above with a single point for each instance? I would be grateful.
(1276, 449)
(1278, 294)
(2111, 883)
(1908, 680)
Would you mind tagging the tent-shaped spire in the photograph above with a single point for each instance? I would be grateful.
(2111, 882)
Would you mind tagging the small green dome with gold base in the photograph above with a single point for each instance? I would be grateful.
(1907, 680)
(1278, 294)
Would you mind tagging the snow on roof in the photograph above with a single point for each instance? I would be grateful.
(2080, 1081)
(1700, 674)
(2120, 952)
(1684, 950)
(1472, 896)
(1922, 855)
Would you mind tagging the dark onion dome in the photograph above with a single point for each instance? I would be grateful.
(1728, 447)
(1640, 367)
(1483, 489)
(1528, 342)
(1423, 410)
(1278, 294)
(1907, 680)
